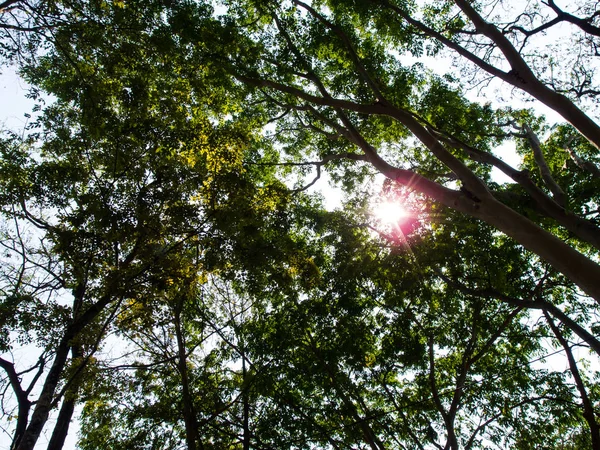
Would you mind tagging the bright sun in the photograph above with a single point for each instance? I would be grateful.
(390, 212)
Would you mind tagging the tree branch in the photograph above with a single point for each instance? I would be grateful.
(539, 303)
(557, 192)
(588, 408)
(584, 24)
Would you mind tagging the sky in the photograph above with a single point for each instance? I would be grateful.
(14, 103)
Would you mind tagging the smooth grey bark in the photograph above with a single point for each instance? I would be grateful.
(584, 229)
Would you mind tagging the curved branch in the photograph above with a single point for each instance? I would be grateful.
(580, 227)
(588, 408)
(539, 303)
(23, 402)
(539, 29)
(444, 40)
(476, 201)
(584, 24)
(520, 75)
(538, 155)
(349, 47)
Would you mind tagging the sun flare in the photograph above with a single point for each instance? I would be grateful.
(390, 212)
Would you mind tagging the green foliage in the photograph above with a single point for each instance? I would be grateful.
(157, 204)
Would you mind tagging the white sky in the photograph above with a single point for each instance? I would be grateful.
(13, 103)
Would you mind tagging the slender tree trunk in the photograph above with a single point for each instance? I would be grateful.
(588, 409)
(61, 429)
(369, 436)
(246, 418)
(23, 415)
(24, 405)
(451, 441)
(189, 416)
(46, 398)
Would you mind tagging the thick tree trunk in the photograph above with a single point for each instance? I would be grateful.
(61, 429)
(44, 403)
(578, 268)
(478, 202)
(565, 107)
(584, 229)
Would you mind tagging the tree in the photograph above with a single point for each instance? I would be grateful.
(325, 83)
(118, 184)
(176, 153)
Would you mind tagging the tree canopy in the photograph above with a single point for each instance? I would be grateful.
(171, 279)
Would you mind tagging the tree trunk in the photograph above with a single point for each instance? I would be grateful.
(46, 398)
(246, 418)
(44, 403)
(565, 107)
(24, 405)
(61, 429)
(578, 268)
(588, 409)
(24, 408)
(189, 417)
